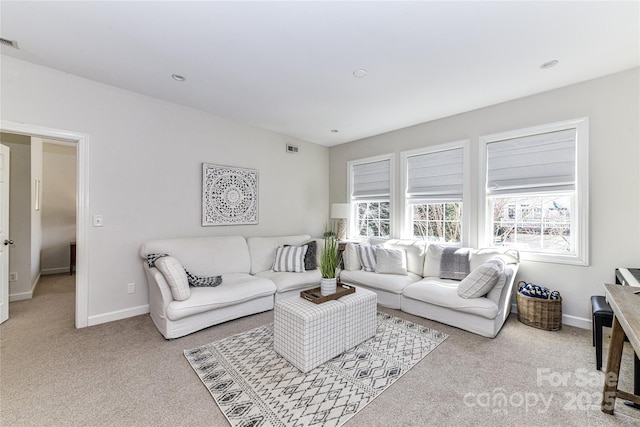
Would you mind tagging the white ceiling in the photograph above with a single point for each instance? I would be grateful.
(287, 66)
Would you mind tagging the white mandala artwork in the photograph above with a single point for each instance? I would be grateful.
(229, 195)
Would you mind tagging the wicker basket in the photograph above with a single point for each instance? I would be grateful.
(540, 313)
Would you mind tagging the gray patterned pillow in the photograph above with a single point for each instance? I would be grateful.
(290, 259)
(310, 257)
(367, 255)
(481, 280)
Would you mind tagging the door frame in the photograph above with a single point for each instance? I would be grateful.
(82, 205)
(5, 159)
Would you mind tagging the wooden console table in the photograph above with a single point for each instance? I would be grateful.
(625, 304)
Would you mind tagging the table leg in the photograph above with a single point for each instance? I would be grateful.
(613, 368)
(636, 381)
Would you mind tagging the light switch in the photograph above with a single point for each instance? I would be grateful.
(98, 221)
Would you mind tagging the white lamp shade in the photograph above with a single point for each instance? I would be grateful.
(340, 210)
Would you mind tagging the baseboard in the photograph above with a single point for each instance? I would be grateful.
(21, 296)
(118, 315)
(26, 295)
(57, 270)
(578, 322)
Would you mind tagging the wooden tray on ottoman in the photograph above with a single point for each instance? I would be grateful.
(316, 297)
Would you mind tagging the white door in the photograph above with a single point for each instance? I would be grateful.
(4, 233)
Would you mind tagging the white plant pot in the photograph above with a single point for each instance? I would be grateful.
(328, 286)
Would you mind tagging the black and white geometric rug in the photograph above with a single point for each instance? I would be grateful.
(254, 386)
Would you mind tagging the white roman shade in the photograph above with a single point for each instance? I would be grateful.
(436, 176)
(372, 181)
(543, 162)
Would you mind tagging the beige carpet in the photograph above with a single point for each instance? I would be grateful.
(126, 374)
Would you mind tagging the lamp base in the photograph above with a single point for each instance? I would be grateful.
(341, 229)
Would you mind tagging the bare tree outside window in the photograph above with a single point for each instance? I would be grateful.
(537, 222)
(437, 222)
(373, 219)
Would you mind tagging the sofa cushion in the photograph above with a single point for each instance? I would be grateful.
(444, 293)
(291, 281)
(432, 261)
(235, 288)
(367, 256)
(481, 280)
(390, 261)
(479, 256)
(476, 258)
(290, 259)
(393, 283)
(175, 276)
(204, 256)
(263, 249)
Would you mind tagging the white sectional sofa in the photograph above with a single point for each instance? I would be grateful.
(248, 285)
(421, 290)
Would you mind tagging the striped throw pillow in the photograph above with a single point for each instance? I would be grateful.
(290, 259)
(367, 255)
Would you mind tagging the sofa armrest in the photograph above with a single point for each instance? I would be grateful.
(159, 291)
(504, 299)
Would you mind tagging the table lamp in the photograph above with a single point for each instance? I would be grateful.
(340, 212)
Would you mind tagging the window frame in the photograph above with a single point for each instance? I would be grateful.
(580, 211)
(352, 232)
(407, 226)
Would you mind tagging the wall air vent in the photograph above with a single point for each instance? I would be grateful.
(292, 148)
(9, 43)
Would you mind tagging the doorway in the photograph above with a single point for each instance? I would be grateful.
(81, 143)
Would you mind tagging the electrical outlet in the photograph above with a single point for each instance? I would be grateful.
(13, 276)
(131, 288)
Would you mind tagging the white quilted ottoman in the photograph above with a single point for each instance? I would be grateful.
(308, 334)
(360, 316)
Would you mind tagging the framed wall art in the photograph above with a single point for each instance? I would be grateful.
(229, 195)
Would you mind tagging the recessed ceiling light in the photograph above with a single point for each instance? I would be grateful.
(178, 77)
(334, 130)
(549, 64)
(359, 73)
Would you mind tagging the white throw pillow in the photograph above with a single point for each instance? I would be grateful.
(390, 261)
(350, 257)
(367, 256)
(481, 280)
(290, 259)
(176, 277)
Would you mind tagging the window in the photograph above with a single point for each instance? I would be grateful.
(370, 186)
(536, 191)
(437, 222)
(372, 218)
(434, 193)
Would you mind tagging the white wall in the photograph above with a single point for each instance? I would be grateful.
(612, 105)
(19, 214)
(58, 206)
(145, 166)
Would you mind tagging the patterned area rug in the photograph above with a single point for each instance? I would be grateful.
(254, 386)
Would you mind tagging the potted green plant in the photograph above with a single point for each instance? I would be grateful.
(329, 260)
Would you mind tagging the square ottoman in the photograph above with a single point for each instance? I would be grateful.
(360, 316)
(308, 334)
